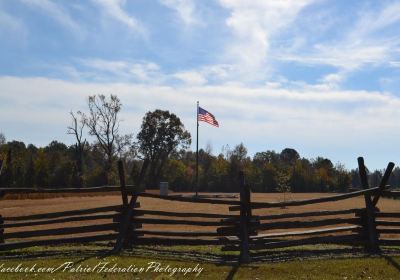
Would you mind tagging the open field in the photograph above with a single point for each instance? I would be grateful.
(298, 262)
(20, 207)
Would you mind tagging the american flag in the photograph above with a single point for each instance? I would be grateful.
(205, 116)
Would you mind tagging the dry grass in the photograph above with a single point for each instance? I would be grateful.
(18, 207)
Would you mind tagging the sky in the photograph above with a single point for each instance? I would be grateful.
(318, 76)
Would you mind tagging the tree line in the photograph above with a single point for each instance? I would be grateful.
(159, 152)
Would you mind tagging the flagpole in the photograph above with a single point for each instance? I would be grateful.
(197, 150)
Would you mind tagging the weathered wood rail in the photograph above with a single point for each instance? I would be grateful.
(240, 230)
(356, 226)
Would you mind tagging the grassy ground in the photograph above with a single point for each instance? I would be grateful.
(67, 263)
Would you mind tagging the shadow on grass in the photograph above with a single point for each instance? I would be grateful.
(393, 262)
(195, 255)
(50, 253)
(233, 271)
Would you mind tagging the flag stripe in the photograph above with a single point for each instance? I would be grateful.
(207, 117)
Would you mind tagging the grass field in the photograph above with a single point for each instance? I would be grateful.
(71, 265)
(306, 262)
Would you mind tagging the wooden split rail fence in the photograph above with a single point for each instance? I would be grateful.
(241, 229)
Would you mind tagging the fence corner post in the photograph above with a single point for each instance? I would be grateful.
(245, 215)
(121, 173)
(369, 213)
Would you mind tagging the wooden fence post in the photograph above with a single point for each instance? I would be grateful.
(245, 216)
(1, 230)
(384, 180)
(124, 238)
(368, 216)
(121, 172)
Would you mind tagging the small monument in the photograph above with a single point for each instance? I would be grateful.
(164, 188)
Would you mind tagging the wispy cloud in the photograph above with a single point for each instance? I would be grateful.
(114, 10)
(359, 46)
(185, 9)
(373, 21)
(58, 13)
(13, 27)
(253, 24)
(142, 72)
(9, 22)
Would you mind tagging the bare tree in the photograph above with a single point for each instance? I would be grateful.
(76, 129)
(2, 139)
(124, 146)
(103, 123)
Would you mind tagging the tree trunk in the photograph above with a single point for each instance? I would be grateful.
(142, 174)
(152, 174)
(159, 171)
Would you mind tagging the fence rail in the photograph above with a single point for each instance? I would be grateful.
(66, 190)
(129, 225)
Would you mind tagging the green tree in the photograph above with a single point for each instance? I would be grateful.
(176, 173)
(29, 178)
(41, 167)
(289, 156)
(237, 161)
(262, 158)
(269, 175)
(342, 178)
(6, 176)
(283, 183)
(219, 175)
(161, 133)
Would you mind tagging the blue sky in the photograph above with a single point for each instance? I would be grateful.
(316, 75)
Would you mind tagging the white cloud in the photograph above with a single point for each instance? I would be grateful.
(114, 10)
(116, 67)
(58, 13)
(185, 10)
(191, 77)
(253, 24)
(279, 113)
